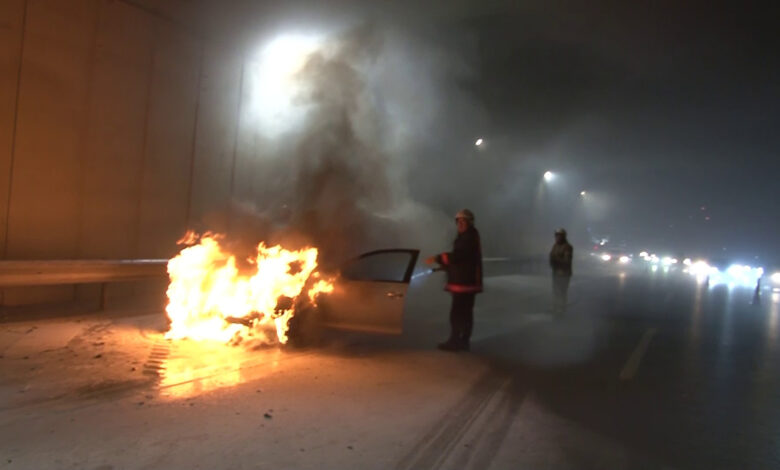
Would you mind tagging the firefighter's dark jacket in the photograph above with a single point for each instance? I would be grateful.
(464, 263)
(560, 258)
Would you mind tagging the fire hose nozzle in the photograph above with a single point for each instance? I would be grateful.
(427, 272)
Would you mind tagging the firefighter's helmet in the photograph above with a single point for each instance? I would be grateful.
(465, 214)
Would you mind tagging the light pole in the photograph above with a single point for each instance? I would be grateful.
(537, 213)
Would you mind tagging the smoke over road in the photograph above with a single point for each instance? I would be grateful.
(338, 149)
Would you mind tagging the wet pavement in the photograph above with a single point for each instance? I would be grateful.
(645, 370)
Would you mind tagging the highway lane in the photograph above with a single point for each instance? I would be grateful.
(643, 371)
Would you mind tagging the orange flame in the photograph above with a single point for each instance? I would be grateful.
(189, 238)
(210, 299)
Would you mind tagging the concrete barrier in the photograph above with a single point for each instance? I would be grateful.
(56, 272)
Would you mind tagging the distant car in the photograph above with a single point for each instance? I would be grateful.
(368, 295)
(773, 278)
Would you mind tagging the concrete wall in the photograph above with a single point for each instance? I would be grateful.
(117, 133)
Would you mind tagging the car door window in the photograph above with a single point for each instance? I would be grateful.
(382, 266)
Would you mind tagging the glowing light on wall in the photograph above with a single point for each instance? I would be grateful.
(275, 84)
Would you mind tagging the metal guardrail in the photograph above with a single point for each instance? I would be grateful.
(17, 273)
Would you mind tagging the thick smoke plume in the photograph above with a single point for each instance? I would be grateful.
(338, 181)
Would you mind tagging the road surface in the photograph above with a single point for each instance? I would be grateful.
(643, 371)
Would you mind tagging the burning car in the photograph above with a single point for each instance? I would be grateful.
(369, 291)
(214, 296)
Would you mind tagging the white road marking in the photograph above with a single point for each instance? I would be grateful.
(632, 365)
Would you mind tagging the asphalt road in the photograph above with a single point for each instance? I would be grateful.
(644, 370)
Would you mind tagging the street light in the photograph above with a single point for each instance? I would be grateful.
(549, 175)
(583, 193)
(478, 142)
(274, 82)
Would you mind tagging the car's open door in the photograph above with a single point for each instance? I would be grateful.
(370, 293)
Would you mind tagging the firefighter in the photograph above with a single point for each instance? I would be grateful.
(560, 262)
(464, 280)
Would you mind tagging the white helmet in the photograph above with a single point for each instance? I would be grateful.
(465, 214)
